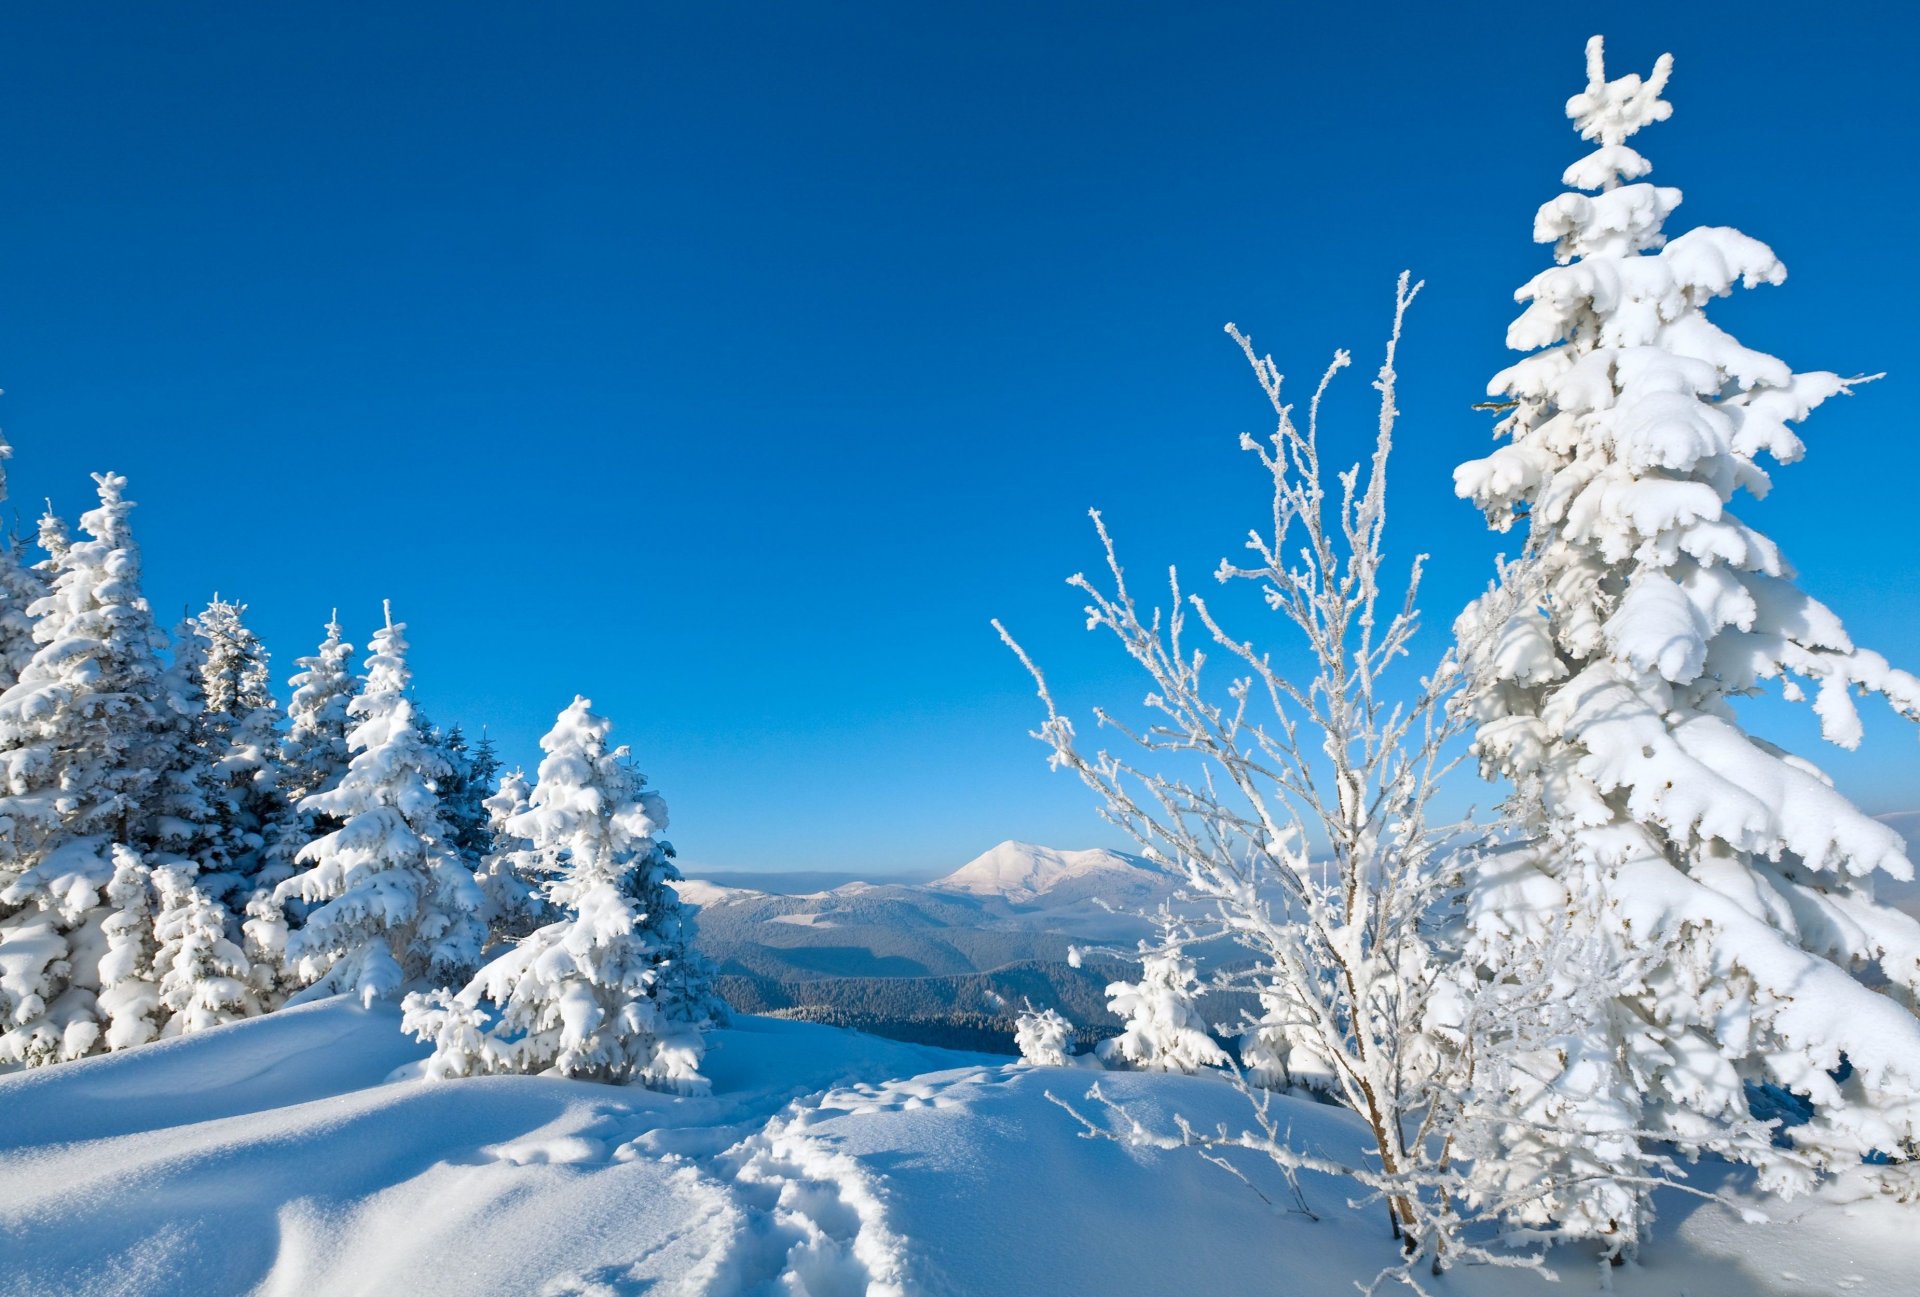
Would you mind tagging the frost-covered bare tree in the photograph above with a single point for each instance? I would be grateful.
(1298, 810)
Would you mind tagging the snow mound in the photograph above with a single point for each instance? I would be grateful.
(1020, 871)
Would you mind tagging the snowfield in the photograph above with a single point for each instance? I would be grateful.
(297, 1154)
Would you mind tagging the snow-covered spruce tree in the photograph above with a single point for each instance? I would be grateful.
(20, 588)
(182, 824)
(76, 740)
(587, 996)
(1228, 785)
(314, 754)
(1164, 1030)
(1651, 814)
(237, 733)
(392, 905)
(51, 535)
(313, 758)
(129, 1001)
(464, 794)
(1042, 1036)
(514, 905)
(202, 979)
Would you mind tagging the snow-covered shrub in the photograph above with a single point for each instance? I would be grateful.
(612, 991)
(392, 904)
(1042, 1036)
(1652, 817)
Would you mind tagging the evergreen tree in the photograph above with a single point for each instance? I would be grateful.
(236, 736)
(51, 535)
(313, 759)
(183, 825)
(314, 754)
(1043, 1037)
(201, 978)
(1164, 1031)
(1729, 879)
(20, 588)
(391, 901)
(593, 995)
(129, 1000)
(514, 905)
(75, 751)
(465, 792)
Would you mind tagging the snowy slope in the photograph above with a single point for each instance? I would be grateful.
(1022, 873)
(283, 1156)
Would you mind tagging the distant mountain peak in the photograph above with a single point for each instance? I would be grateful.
(1021, 871)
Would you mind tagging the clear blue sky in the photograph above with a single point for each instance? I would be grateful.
(733, 364)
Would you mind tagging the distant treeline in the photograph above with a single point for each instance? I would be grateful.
(973, 1011)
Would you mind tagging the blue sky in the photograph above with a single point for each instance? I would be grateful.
(734, 364)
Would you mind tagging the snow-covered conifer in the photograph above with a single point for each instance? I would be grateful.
(76, 733)
(75, 727)
(314, 754)
(1653, 815)
(20, 588)
(237, 731)
(1164, 1029)
(586, 996)
(51, 535)
(514, 905)
(465, 792)
(1042, 1036)
(313, 758)
(129, 1001)
(392, 904)
(201, 977)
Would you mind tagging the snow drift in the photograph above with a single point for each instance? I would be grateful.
(298, 1154)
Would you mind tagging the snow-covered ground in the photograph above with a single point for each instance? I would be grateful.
(295, 1155)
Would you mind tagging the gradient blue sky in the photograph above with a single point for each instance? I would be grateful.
(733, 364)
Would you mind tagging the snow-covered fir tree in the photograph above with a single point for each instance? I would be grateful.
(129, 1000)
(466, 790)
(1655, 819)
(76, 737)
(184, 826)
(1164, 1030)
(591, 995)
(313, 758)
(20, 588)
(236, 733)
(200, 976)
(51, 534)
(514, 905)
(314, 755)
(391, 902)
(1042, 1036)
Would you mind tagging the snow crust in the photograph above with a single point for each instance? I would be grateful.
(297, 1154)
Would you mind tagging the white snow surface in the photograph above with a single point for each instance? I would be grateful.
(297, 1154)
(1020, 871)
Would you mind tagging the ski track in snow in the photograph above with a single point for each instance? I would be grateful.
(802, 1217)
